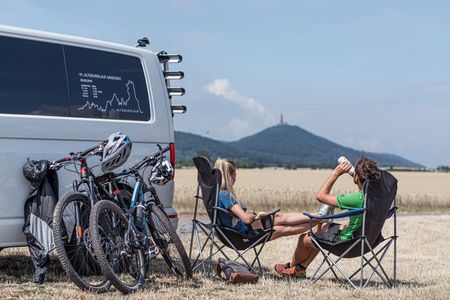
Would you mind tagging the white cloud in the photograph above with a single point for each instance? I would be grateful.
(222, 88)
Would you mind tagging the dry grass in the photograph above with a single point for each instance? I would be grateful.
(423, 273)
(294, 190)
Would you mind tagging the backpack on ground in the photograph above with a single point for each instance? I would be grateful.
(235, 273)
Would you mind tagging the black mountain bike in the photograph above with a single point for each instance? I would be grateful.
(121, 241)
(71, 219)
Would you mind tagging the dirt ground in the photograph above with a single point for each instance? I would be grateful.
(423, 273)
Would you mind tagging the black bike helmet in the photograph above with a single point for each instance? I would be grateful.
(116, 152)
(161, 173)
(35, 170)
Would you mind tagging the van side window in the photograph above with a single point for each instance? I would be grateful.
(32, 78)
(106, 85)
(40, 78)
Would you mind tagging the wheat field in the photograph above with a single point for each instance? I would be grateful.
(423, 247)
(295, 190)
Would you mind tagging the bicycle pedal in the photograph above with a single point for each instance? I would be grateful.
(153, 251)
(124, 254)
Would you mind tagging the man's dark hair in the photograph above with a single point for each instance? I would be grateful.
(366, 168)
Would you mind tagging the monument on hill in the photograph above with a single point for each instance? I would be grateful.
(282, 122)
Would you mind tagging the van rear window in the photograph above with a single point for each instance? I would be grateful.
(38, 78)
(106, 85)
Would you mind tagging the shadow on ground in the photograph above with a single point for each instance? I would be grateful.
(18, 268)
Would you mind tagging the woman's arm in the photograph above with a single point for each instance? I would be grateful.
(324, 195)
(241, 214)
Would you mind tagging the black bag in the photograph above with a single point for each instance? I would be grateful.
(235, 273)
(39, 207)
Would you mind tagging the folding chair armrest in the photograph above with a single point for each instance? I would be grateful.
(222, 210)
(349, 213)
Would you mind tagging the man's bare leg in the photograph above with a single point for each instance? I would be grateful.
(305, 252)
(290, 219)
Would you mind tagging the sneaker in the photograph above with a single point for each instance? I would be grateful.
(285, 270)
(279, 268)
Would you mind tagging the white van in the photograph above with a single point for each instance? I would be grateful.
(61, 94)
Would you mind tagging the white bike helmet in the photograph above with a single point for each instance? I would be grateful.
(161, 173)
(116, 151)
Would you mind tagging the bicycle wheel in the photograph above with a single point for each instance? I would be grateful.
(121, 261)
(169, 243)
(73, 242)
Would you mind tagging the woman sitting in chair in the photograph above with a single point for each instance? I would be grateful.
(243, 222)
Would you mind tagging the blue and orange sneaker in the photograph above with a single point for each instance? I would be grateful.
(285, 270)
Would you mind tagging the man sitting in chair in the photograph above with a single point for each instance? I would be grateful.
(243, 222)
(305, 251)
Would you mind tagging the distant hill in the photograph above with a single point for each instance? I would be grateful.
(282, 145)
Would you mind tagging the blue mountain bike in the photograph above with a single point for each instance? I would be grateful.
(124, 242)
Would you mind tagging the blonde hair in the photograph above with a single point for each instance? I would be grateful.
(227, 168)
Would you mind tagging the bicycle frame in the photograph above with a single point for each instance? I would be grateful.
(94, 187)
(138, 201)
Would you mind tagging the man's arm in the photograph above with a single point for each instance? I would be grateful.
(324, 195)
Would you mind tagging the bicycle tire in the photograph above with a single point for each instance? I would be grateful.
(72, 246)
(118, 262)
(169, 243)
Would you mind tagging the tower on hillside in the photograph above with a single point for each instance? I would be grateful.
(282, 122)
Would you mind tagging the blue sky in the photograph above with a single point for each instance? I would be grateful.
(372, 75)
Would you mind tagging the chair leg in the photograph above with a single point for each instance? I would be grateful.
(332, 269)
(260, 268)
(210, 252)
(395, 261)
(367, 261)
(318, 269)
(374, 269)
(203, 263)
(240, 255)
(324, 260)
(257, 253)
(200, 254)
(192, 239)
(334, 263)
(379, 260)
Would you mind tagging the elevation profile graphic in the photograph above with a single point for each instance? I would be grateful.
(128, 105)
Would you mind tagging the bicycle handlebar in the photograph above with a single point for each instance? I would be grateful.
(145, 161)
(76, 156)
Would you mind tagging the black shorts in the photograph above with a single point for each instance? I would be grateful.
(331, 235)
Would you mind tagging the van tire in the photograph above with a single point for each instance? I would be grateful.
(87, 265)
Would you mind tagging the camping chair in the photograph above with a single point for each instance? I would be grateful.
(379, 205)
(217, 236)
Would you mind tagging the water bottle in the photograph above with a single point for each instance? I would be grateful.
(139, 219)
(344, 159)
(325, 210)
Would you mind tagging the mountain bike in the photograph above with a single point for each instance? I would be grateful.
(71, 219)
(122, 242)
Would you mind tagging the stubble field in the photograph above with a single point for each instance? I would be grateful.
(423, 247)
